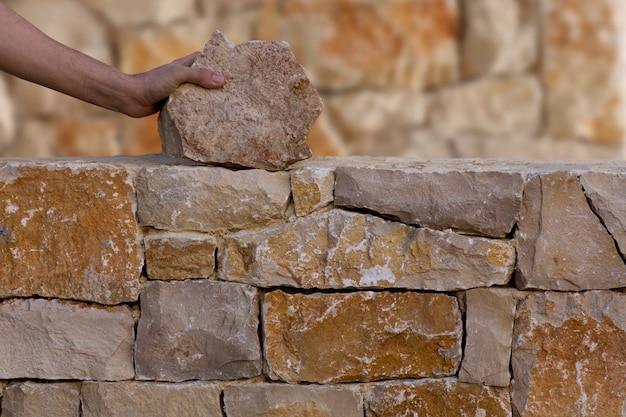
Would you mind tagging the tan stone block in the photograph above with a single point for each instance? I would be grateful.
(312, 189)
(440, 397)
(65, 340)
(561, 243)
(180, 256)
(568, 353)
(121, 13)
(69, 231)
(363, 336)
(26, 399)
(142, 399)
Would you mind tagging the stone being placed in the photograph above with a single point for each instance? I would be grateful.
(260, 118)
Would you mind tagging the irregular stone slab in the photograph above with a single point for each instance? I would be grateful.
(92, 251)
(180, 256)
(362, 336)
(490, 314)
(439, 397)
(279, 400)
(340, 249)
(259, 119)
(209, 199)
(65, 340)
(312, 189)
(472, 200)
(197, 330)
(568, 353)
(561, 243)
(141, 399)
(26, 399)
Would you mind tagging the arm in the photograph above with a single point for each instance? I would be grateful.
(28, 53)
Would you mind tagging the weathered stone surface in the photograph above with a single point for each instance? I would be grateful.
(568, 355)
(260, 118)
(468, 199)
(197, 330)
(362, 336)
(561, 243)
(441, 397)
(30, 399)
(340, 249)
(500, 37)
(142, 399)
(91, 253)
(279, 400)
(180, 256)
(65, 340)
(209, 199)
(312, 189)
(490, 314)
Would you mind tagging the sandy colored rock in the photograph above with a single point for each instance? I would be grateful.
(568, 353)
(362, 336)
(561, 243)
(29, 399)
(197, 330)
(65, 340)
(312, 189)
(259, 119)
(439, 397)
(180, 256)
(142, 399)
(280, 400)
(120, 13)
(91, 253)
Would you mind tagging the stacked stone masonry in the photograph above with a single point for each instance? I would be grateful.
(347, 287)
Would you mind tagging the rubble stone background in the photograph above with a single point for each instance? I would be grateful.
(536, 79)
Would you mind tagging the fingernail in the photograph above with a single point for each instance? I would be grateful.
(217, 78)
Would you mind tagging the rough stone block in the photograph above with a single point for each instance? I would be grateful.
(65, 340)
(209, 199)
(561, 243)
(440, 397)
(180, 256)
(30, 399)
(362, 336)
(568, 355)
(197, 330)
(470, 199)
(312, 189)
(340, 249)
(259, 119)
(279, 400)
(68, 230)
(142, 399)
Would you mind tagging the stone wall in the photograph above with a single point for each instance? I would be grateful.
(422, 78)
(148, 286)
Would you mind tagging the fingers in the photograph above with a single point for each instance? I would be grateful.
(201, 76)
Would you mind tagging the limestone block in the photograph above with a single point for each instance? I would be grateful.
(406, 44)
(438, 397)
(209, 199)
(29, 399)
(339, 249)
(561, 243)
(500, 37)
(312, 189)
(180, 256)
(280, 400)
(142, 399)
(489, 328)
(121, 13)
(65, 340)
(197, 330)
(362, 336)
(568, 352)
(477, 106)
(260, 118)
(68, 230)
(472, 199)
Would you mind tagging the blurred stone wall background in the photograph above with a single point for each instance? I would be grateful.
(421, 78)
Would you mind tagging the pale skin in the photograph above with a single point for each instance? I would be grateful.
(28, 53)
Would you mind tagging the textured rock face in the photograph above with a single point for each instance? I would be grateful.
(260, 118)
(364, 336)
(37, 399)
(182, 256)
(198, 330)
(68, 231)
(570, 347)
(312, 189)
